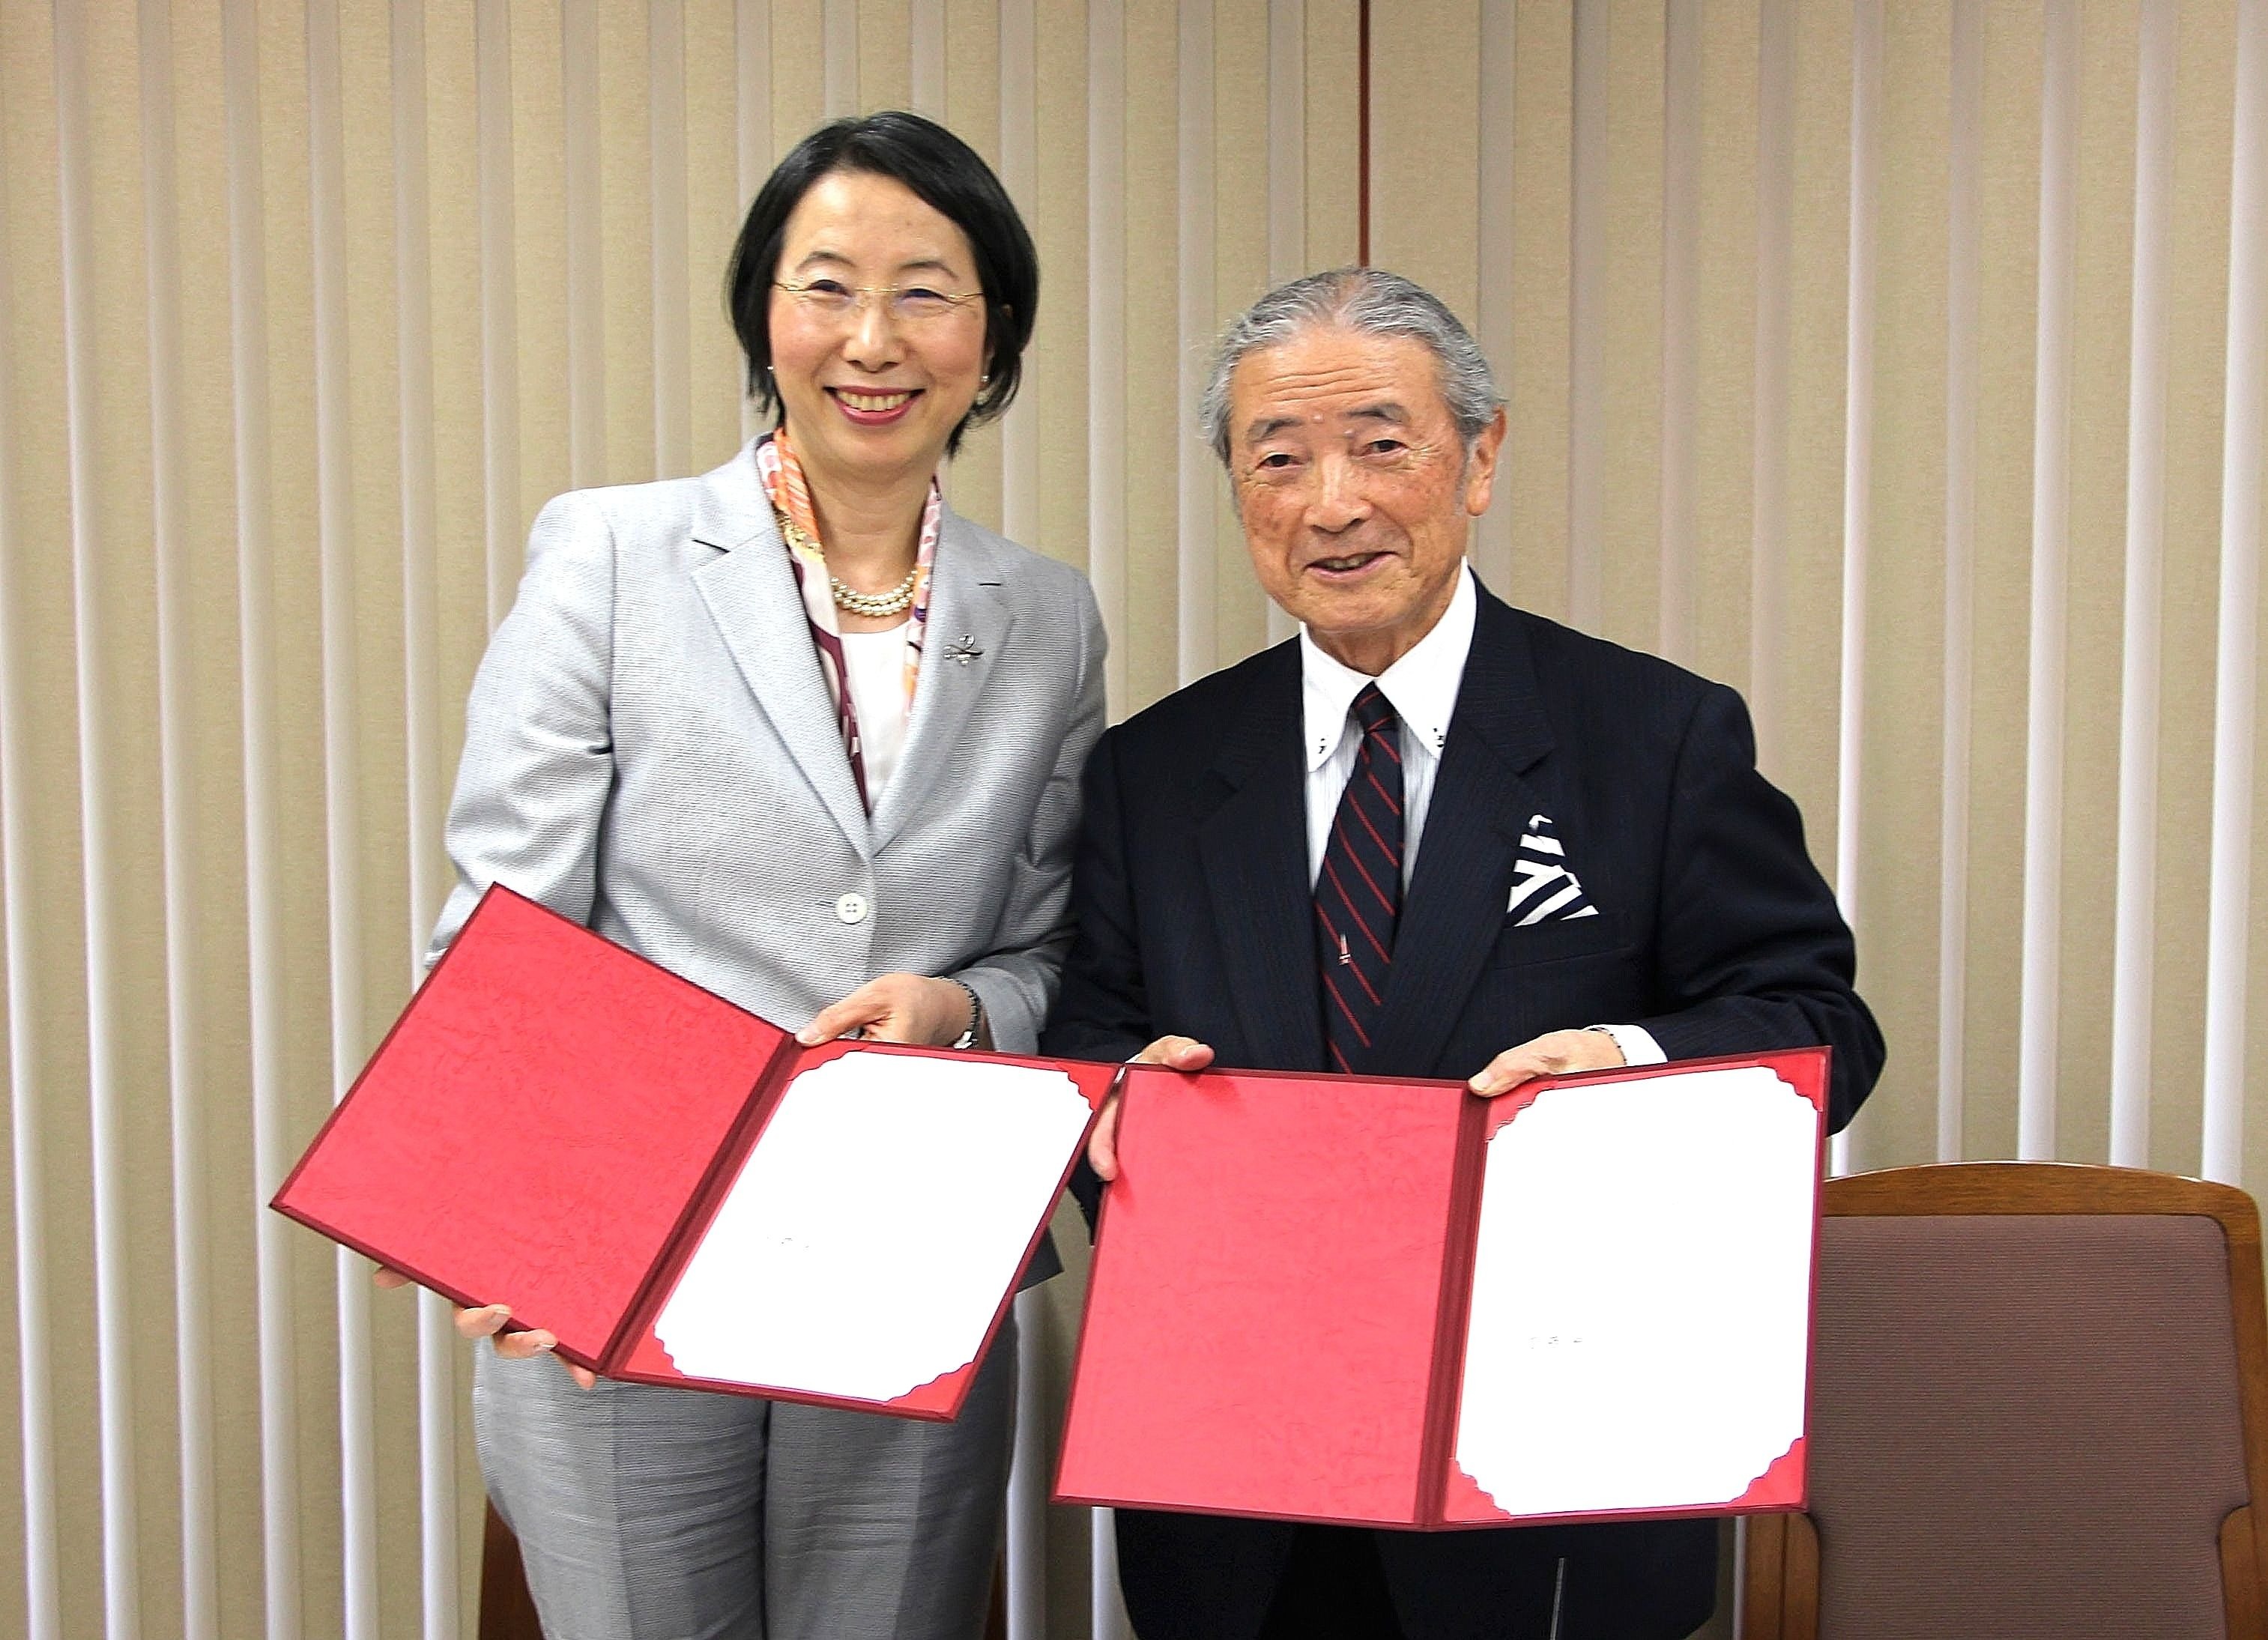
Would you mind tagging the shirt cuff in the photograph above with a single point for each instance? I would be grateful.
(1637, 1043)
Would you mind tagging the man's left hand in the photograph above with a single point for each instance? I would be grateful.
(1554, 1053)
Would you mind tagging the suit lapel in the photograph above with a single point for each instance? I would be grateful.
(1254, 853)
(970, 618)
(1455, 906)
(750, 593)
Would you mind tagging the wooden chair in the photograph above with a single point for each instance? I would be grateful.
(508, 1611)
(2039, 1407)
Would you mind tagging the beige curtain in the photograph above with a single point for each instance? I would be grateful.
(1899, 361)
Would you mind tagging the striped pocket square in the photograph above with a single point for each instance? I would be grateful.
(1543, 890)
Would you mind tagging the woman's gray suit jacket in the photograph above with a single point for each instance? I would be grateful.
(650, 748)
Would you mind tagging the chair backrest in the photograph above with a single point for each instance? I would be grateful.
(2039, 1407)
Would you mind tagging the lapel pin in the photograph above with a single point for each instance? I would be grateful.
(963, 650)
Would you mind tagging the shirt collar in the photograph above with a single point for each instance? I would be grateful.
(1421, 687)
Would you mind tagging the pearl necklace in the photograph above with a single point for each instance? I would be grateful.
(850, 600)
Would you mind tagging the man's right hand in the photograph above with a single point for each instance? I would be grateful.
(1176, 1053)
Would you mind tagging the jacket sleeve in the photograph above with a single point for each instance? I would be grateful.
(1103, 1012)
(1750, 950)
(538, 762)
(1017, 978)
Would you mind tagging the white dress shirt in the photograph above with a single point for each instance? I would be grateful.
(1422, 688)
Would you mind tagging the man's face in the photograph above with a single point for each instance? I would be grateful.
(1355, 490)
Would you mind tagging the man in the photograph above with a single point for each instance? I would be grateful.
(1433, 836)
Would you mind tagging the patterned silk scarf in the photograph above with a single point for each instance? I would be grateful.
(790, 494)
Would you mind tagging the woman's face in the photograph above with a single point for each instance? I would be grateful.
(874, 393)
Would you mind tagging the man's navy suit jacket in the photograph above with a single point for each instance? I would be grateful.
(1715, 931)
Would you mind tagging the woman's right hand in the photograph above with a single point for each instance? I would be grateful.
(898, 1008)
(488, 1322)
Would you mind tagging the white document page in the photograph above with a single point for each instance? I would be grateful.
(1641, 1294)
(872, 1230)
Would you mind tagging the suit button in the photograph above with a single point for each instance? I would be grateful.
(852, 908)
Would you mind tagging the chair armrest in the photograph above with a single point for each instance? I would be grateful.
(2240, 1576)
(1763, 1561)
(1780, 1592)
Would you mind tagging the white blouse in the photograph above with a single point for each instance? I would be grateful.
(875, 665)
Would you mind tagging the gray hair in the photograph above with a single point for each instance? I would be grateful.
(1367, 300)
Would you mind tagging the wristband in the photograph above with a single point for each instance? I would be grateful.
(967, 1038)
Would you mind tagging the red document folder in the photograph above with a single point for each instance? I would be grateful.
(560, 1125)
(1389, 1303)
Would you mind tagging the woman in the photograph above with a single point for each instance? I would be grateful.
(795, 731)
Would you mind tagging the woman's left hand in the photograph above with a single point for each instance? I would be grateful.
(895, 1007)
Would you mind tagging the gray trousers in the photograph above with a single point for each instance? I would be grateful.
(645, 1513)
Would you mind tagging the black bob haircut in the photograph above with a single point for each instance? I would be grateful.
(947, 175)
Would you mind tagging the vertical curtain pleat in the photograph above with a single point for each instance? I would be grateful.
(28, 1095)
(2044, 760)
(582, 116)
(2133, 985)
(926, 26)
(752, 118)
(1587, 319)
(341, 762)
(1768, 460)
(438, 1348)
(839, 66)
(1026, 1566)
(99, 728)
(1867, 51)
(1287, 174)
(1019, 432)
(1106, 329)
(500, 304)
(1963, 251)
(1681, 342)
(274, 1137)
(1287, 139)
(183, 890)
(673, 339)
(1196, 554)
(1496, 289)
(2235, 704)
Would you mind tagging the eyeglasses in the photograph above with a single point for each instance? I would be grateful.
(832, 300)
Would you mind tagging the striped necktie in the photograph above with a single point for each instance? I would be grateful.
(1358, 892)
